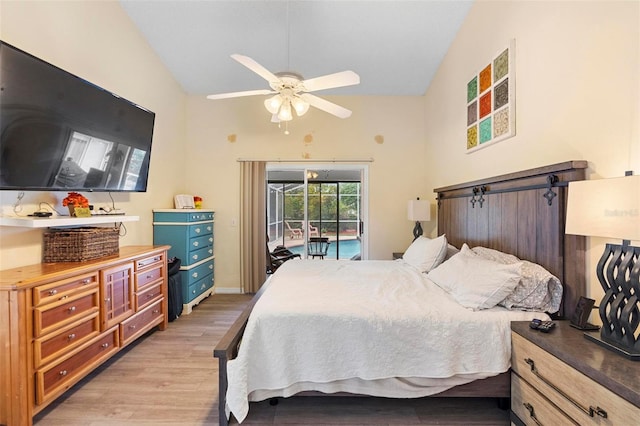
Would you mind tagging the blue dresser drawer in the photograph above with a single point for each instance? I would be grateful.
(200, 229)
(200, 242)
(197, 273)
(196, 256)
(197, 288)
(182, 216)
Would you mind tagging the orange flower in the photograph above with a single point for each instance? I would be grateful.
(75, 199)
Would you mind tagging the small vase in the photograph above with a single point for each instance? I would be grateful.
(72, 211)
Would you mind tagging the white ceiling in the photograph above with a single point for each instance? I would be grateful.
(395, 46)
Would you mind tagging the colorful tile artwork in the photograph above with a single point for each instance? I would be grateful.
(491, 102)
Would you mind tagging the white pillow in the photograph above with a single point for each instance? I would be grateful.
(538, 289)
(425, 254)
(475, 282)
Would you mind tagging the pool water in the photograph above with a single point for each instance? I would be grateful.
(348, 249)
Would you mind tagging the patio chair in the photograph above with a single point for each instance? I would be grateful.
(313, 231)
(293, 232)
(277, 257)
(318, 247)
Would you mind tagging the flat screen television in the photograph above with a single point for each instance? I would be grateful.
(58, 132)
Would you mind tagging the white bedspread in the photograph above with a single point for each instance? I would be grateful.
(325, 321)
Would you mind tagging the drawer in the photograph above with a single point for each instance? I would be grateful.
(147, 277)
(155, 260)
(197, 288)
(54, 315)
(532, 408)
(57, 378)
(199, 229)
(53, 345)
(54, 291)
(201, 254)
(565, 387)
(190, 276)
(182, 216)
(200, 242)
(148, 295)
(141, 322)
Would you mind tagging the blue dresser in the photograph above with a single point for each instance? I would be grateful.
(189, 232)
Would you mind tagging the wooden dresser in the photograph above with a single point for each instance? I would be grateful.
(59, 321)
(561, 378)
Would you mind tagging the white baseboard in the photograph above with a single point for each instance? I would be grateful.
(227, 290)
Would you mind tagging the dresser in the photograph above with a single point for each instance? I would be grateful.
(561, 378)
(59, 321)
(189, 232)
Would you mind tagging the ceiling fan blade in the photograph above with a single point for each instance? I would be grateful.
(329, 81)
(240, 94)
(256, 67)
(326, 106)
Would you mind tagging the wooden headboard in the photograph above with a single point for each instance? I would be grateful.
(521, 213)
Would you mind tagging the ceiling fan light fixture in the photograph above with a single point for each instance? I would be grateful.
(273, 104)
(300, 106)
(285, 112)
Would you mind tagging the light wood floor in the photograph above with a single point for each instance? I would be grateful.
(171, 378)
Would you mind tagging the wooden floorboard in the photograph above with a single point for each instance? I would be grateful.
(171, 378)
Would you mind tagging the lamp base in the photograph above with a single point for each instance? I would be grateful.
(633, 356)
(417, 231)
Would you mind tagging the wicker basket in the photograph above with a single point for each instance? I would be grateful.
(79, 244)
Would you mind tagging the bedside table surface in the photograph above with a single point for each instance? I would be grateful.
(613, 371)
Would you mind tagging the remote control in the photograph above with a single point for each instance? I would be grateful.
(535, 323)
(546, 326)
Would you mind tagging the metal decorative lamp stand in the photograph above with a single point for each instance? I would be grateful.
(418, 211)
(611, 208)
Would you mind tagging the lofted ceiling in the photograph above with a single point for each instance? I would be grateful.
(395, 46)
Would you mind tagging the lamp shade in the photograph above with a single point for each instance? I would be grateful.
(419, 210)
(605, 208)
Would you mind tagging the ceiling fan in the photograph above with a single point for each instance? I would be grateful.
(292, 91)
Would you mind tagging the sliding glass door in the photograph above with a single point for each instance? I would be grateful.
(317, 202)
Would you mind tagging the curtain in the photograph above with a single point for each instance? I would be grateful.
(253, 228)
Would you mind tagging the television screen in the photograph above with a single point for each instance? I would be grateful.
(59, 132)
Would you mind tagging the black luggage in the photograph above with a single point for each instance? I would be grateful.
(175, 289)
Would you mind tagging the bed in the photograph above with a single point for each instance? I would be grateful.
(374, 311)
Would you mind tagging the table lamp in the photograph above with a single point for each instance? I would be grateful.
(418, 211)
(610, 208)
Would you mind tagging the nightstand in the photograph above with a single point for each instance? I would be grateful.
(397, 255)
(562, 378)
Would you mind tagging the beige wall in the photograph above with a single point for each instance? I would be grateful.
(97, 41)
(396, 174)
(577, 93)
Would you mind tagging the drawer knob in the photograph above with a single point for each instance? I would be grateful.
(132, 327)
(63, 372)
(71, 336)
(155, 311)
(86, 281)
(64, 297)
(149, 296)
(72, 309)
(211, 267)
(53, 292)
(197, 230)
(105, 345)
(210, 239)
(196, 244)
(108, 299)
(194, 257)
(591, 411)
(194, 275)
(149, 277)
(193, 291)
(209, 228)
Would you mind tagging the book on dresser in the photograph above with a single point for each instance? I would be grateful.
(190, 234)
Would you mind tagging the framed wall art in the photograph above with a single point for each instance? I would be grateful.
(491, 112)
